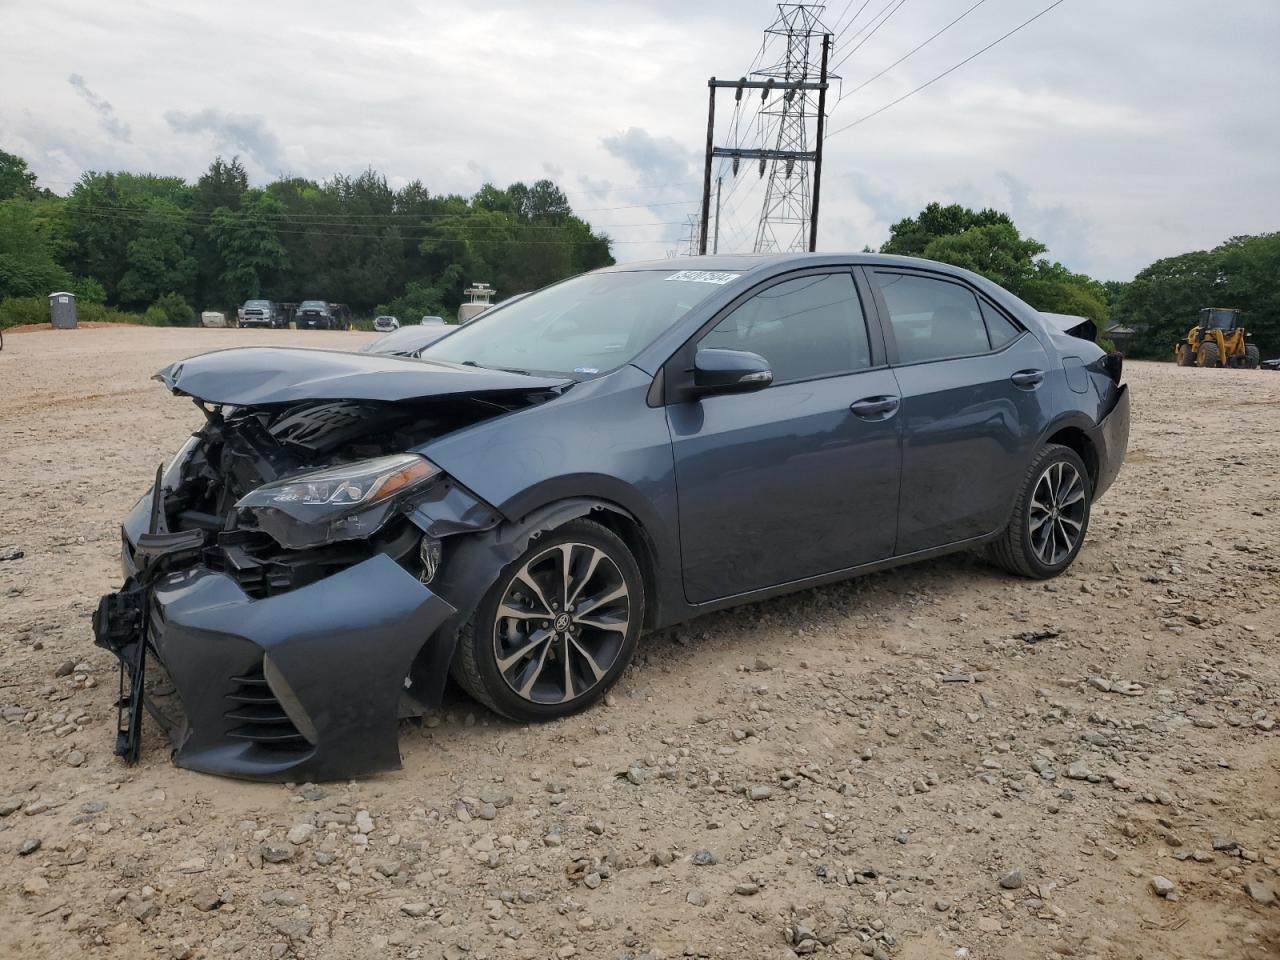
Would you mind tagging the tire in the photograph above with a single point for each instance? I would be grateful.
(1186, 357)
(1056, 476)
(1252, 356)
(513, 664)
(1209, 356)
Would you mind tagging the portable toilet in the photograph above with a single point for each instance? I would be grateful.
(62, 306)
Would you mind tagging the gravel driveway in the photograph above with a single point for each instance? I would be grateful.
(936, 762)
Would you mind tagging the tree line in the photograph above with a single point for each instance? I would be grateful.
(142, 242)
(158, 243)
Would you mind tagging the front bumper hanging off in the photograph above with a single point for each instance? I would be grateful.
(300, 685)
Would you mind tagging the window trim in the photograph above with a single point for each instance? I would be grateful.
(677, 371)
(886, 320)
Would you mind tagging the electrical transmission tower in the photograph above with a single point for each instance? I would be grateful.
(789, 218)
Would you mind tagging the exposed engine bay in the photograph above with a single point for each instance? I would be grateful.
(243, 449)
(278, 615)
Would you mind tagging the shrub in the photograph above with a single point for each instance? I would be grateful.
(175, 310)
(19, 310)
(101, 313)
(88, 290)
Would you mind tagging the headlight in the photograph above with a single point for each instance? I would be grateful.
(348, 502)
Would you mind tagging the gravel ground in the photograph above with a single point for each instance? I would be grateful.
(935, 762)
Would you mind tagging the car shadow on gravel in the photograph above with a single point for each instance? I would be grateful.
(749, 633)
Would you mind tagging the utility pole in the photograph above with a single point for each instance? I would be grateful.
(817, 149)
(788, 209)
(706, 170)
(715, 244)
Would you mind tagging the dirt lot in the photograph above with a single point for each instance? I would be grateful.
(935, 762)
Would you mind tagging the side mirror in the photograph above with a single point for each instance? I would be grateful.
(729, 371)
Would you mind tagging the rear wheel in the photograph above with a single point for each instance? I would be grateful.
(1050, 517)
(1209, 355)
(1185, 356)
(557, 628)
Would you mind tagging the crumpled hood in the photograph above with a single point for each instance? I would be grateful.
(249, 376)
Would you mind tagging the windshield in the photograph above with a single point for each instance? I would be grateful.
(589, 324)
(257, 303)
(312, 305)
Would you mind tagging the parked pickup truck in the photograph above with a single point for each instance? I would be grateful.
(317, 315)
(262, 313)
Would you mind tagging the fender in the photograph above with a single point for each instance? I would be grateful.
(470, 567)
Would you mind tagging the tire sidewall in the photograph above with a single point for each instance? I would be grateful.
(506, 700)
(1054, 454)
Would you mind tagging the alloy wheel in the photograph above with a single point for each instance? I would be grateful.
(561, 623)
(1058, 508)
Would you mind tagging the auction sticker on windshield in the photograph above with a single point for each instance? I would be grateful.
(704, 276)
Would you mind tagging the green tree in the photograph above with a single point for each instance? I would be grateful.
(158, 258)
(132, 239)
(29, 249)
(988, 243)
(15, 179)
(910, 236)
(1164, 300)
(248, 246)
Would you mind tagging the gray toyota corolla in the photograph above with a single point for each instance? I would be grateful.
(618, 452)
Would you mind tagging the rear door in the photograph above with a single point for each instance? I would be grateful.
(800, 478)
(971, 382)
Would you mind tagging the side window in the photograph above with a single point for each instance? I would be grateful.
(1000, 328)
(806, 328)
(932, 319)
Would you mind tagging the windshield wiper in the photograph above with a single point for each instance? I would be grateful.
(472, 363)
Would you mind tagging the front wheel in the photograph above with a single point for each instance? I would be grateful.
(557, 628)
(1210, 356)
(1050, 517)
(1252, 357)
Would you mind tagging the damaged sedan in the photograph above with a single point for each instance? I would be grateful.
(618, 452)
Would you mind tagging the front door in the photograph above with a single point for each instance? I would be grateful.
(800, 478)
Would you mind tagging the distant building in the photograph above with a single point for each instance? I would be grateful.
(1121, 336)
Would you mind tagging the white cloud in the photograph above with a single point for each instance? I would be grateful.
(1114, 133)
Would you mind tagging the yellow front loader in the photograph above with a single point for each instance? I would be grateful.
(1218, 340)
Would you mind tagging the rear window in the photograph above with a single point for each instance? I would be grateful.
(932, 319)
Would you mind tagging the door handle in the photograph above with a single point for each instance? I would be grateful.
(1028, 379)
(874, 408)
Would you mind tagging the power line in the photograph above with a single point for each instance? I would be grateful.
(909, 53)
(473, 234)
(199, 218)
(344, 219)
(873, 32)
(949, 70)
(837, 29)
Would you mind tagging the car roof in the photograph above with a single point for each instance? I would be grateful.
(769, 262)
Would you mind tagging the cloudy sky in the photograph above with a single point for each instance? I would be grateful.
(1115, 131)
